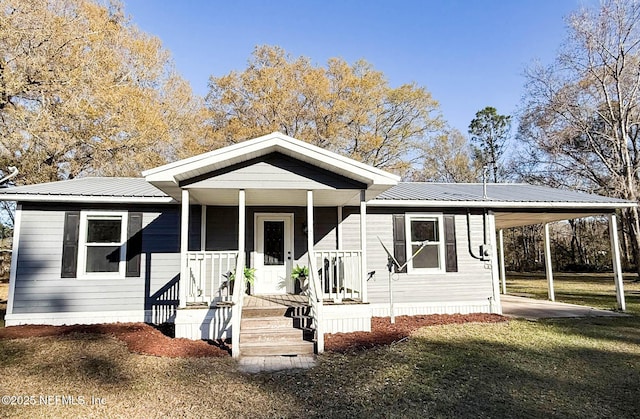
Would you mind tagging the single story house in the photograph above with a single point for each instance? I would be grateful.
(165, 247)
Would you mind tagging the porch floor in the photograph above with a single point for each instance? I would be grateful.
(275, 301)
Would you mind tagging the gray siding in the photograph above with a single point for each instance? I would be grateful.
(40, 288)
(273, 171)
(472, 282)
(222, 228)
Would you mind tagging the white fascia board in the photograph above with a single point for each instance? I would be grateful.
(498, 205)
(265, 145)
(87, 199)
(205, 156)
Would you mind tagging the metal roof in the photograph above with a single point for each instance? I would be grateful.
(89, 189)
(497, 193)
(503, 195)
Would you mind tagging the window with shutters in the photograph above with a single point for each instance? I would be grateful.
(425, 232)
(102, 244)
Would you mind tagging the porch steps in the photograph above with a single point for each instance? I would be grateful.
(271, 331)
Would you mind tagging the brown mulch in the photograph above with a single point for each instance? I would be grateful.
(140, 338)
(384, 333)
(144, 339)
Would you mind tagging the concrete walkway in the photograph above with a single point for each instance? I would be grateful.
(256, 364)
(530, 309)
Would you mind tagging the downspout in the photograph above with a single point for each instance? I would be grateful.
(484, 234)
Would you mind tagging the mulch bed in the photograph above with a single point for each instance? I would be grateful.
(144, 339)
(384, 333)
(140, 338)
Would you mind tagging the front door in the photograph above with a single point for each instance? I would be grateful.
(274, 248)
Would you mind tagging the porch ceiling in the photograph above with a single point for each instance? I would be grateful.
(275, 197)
(522, 218)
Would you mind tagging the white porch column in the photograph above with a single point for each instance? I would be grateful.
(203, 228)
(241, 263)
(615, 256)
(239, 284)
(339, 228)
(310, 233)
(363, 244)
(547, 262)
(503, 277)
(184, 247)
(496, 306)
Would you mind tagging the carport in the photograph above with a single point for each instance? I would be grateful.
(530, 213)
(530, 309)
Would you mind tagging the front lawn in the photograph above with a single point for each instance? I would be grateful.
(571, 368)
(588, 368)
(594, 290)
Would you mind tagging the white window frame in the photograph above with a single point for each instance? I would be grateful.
(441, 245)
(82, 244)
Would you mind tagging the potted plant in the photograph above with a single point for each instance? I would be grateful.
(249, 279)
(299, 274)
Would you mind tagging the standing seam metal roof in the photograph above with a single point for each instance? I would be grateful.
(91, 186)
(114, 187)
(496, 192)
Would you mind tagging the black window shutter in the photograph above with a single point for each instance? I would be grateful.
(134, 244)
(451, 253)
(399, 241)
(70, 244)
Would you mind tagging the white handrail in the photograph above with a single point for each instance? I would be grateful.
(238, 299)
(315, 301)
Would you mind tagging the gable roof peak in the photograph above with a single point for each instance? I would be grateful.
(266, 144)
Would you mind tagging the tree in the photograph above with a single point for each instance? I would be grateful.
(83, 91)
(348, 109)
(448, 158)
(489, 132)
(582, 113)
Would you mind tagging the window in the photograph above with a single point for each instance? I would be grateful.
(103, 240)
(425, 229)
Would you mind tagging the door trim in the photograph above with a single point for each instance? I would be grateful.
(275, 216)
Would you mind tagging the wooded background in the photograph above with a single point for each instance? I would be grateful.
(84, 92)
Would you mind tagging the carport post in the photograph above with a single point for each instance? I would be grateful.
(547, 262)
(503, 277)
(615, 258)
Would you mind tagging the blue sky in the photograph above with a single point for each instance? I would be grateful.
(468, 54)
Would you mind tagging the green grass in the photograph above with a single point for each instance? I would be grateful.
(594, 290)
(587, 368)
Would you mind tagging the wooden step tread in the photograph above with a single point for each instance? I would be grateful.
(277, 348)
(266, 323)
(280, 336)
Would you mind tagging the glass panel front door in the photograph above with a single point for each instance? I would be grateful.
(273, 253)
(274, 242)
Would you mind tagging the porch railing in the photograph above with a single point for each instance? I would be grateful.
(340, 274)
(315, 303)
(209, 276)
(238, 301)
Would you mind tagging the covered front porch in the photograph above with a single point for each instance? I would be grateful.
(267, 242)
(257, 212)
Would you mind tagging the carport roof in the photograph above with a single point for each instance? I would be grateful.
(514, 204)
(498, 195)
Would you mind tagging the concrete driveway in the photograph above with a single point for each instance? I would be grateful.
(530, 309)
